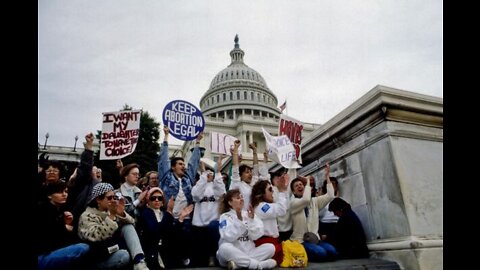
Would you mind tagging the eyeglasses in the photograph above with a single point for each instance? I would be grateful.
(153, 177)
(111, 197)
(159, 198)
(53, 171)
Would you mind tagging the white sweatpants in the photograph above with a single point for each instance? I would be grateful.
(228, 252)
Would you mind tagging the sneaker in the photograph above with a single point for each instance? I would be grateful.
(231, 265)
(140, 265)
(267, 264)
(186, 261)
(211, 261)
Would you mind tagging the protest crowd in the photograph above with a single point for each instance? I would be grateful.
(186, 215)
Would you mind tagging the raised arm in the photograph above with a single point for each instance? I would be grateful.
(218, 185)
(84, 171)
(235, 179)
(164, 161)
(195, 159)
(253, 146)
(263, 169)
(234, 151)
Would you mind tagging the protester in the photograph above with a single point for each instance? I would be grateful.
(238, 229)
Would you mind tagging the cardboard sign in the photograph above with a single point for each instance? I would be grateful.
(222, 143)
(120, 131)
(281, 150)
(292, 128)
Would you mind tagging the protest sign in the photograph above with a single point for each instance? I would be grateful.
(281, 150)
(120, 131)
(184, 120)
(292, 128)
(222, 143)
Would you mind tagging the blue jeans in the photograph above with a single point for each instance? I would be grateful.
(322, 251)
(121, 258)
(118, 260)
(63, 258)
(129, 234)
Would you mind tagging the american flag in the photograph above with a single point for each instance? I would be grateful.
(283, 106)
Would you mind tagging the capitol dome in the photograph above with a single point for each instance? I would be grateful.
(237, 90)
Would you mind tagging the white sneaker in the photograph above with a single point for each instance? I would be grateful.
(140, 266)
(231, 265)
(267, 264)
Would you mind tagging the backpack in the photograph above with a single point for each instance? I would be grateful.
(294, 254)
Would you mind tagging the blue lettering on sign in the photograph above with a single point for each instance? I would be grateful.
(265, 208)
(184, 120)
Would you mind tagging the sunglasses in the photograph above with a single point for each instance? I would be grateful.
(111, 197)
(153, 198)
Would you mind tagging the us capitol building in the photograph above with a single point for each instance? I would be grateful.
(239, 103)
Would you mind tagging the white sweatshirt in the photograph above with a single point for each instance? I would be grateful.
(268, 213)
(241, 233)
(244, 188)
(206, 197)
(302, 224)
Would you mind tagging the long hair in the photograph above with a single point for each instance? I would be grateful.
(224, 206)
(258, 190)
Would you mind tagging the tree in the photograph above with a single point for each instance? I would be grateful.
(145, 154)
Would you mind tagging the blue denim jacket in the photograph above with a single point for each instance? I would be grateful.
(168, 181)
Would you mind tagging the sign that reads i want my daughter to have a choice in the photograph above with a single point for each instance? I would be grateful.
(184, 120)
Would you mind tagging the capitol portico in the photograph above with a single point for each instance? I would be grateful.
(239, 103)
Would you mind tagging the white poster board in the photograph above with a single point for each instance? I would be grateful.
(222, 143)
(281, 150)
(120, 132)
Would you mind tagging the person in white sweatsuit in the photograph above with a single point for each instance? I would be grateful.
(206, 194)
(244, 176)
(238, 229)
(268, 211)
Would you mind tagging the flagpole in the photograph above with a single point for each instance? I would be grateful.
(286, 107)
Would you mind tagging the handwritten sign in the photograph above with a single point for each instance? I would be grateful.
(120, 131)
(281, 150)
(292, 128)
(184, 120)
(222, 143)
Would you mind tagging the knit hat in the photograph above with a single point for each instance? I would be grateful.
(152, 190)
(100, 189)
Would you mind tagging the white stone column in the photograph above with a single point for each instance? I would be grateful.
(250, 137)
(234, 114)
(244, 141)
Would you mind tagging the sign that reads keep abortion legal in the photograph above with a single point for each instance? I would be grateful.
(184, 120)
(120, 131)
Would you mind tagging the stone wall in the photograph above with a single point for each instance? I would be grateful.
(386, 150)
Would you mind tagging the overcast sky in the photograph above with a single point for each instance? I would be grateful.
(320, 56)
